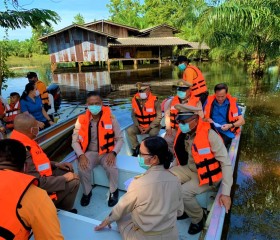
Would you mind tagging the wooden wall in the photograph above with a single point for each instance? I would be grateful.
(162, 32)
(110, 29)
(77, 45)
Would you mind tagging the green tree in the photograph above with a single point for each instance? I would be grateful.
(127, 12)
(18, 18)
(79, 19)
(38, 46)
(255, 23)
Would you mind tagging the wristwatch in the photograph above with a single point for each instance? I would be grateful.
(232, 125)
(114, 153)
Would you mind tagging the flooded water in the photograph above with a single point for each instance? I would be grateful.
(255, 211)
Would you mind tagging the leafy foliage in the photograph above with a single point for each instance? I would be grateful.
(79, 19)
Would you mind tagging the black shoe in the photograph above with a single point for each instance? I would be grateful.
(86, 199)
(74, 210)
(184, 216)
(196, 228)
(135, 151)
(113, 198)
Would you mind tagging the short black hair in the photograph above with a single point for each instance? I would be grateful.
(12, 152)
(12, 94)
(157, 146)
(30, 75)
(220, 87)
(93, 94)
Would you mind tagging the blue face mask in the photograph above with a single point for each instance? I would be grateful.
(181, 94)
(142, 164)
(94, 109)
(185, 128)
(182, 66)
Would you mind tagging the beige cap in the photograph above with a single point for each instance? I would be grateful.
(142, 86)
(186, 111)
(183, 84)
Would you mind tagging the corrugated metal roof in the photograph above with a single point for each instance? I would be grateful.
(149, 29)
(75, 26)
(162, 41)
(112, 23)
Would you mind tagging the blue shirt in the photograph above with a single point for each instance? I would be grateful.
(33, 107)
(219, 115)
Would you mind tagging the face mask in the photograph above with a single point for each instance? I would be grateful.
(31, 81)
(35, 131)
(94, 109)
(143, 95)
(185, 128)
(142, 164)
(37, 93)
(182, 66)
(181, 94)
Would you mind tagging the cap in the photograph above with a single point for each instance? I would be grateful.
(31, 75)
(181, 59)
(186, 111)
(183, 84)
(142, 86)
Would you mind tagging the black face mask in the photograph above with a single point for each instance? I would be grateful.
(31, 81)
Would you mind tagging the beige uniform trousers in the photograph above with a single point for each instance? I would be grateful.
(132, 132)
(128, 231)
(86, 175)
(170, 140)
(190, 188)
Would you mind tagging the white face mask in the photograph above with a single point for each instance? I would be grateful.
(143, 95)
(37, 93)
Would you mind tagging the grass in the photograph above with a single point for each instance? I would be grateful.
(35, 60)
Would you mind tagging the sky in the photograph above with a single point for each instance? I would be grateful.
(90, 9)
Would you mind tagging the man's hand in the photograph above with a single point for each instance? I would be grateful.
(111, 159)
(225, 201)
(168, 132)
(51, 123)
(146, 130)
(70, 176)
(83, 162)
(226, 127)
(2, 130)
(102, 225)
(41, 125)
(65, 166)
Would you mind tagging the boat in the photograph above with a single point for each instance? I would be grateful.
(81, 225)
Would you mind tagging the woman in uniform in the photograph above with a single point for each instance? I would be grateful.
(153, 200)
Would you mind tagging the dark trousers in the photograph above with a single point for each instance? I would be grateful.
(203, 97)
(227, 140)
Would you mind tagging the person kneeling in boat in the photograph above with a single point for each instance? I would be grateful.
(11, 110)
(184, 96)
(222, 111)
(146, 115)
(206, 165)
(23, 205)
(97, 139)
(153, 200)
(58, 179)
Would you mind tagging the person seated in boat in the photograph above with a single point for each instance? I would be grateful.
(222, 111)
(23, 205)
(194, 76)
(198, 148)
(11, 110)
(184, 96)
(41, 88)
(149, 208)
(97, 139)
(31, 103)
(58, 179)
(2, 108)
(146, 115)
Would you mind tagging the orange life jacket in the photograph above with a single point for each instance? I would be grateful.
(39, 158)
(146, 114)
(199, 84)
(232, 112)
(11, 111)
(105, 131)
(41, 87)
(208, 168)
(13, 186)
(173, 112)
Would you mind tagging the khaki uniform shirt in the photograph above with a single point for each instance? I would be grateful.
(221, 155)
(154, 201)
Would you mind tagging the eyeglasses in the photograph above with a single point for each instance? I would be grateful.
(145, 154)
(94, 104)
(184, 121)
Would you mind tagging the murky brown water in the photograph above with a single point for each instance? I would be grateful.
(255, 211)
